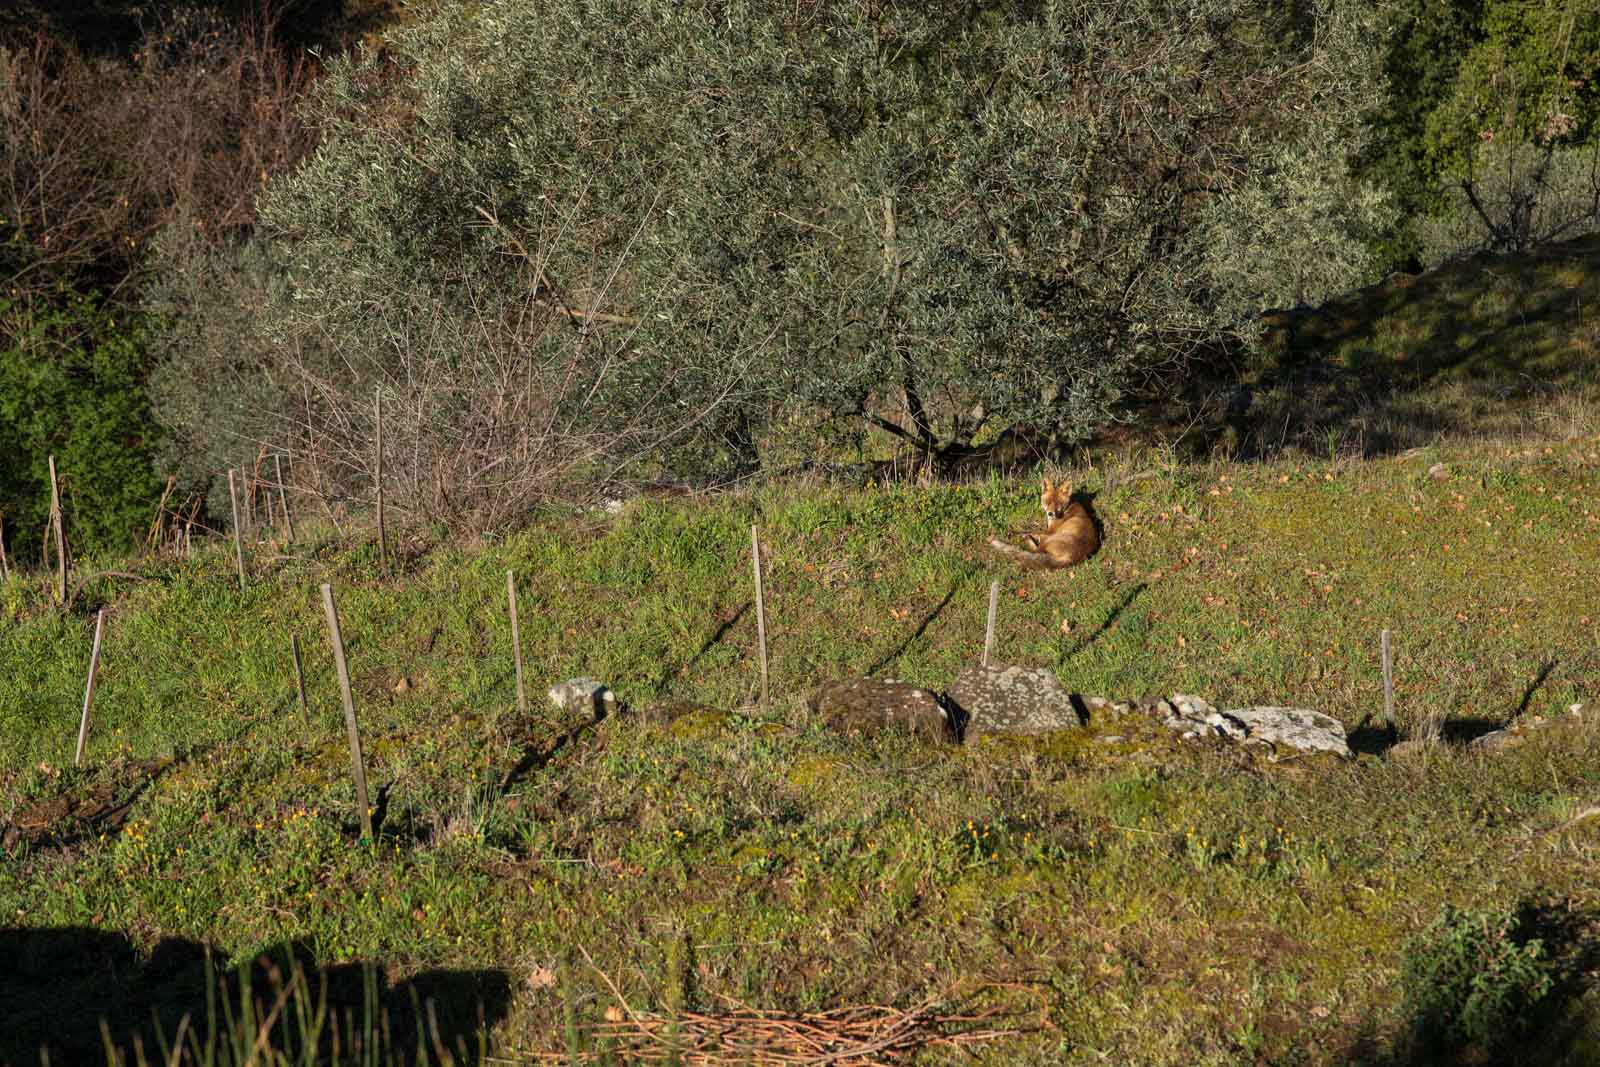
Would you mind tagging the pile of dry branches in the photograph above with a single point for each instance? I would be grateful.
(862, 1036)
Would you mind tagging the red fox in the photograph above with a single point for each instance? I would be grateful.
(1070, 535)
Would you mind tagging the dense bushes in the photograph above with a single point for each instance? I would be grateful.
(1488, 133)
(69, 387)
(729, 228)
(98, 156)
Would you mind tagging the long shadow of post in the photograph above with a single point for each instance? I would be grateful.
(916, 635)
(60, 985)
(1110, 620)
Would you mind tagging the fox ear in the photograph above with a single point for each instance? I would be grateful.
(1047, 485)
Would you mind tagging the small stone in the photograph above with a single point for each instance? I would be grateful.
(1439, 472)
(1496, 741)
(1110, 739)
(583, 695)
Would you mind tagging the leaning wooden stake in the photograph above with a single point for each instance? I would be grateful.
(238, 538)
(61, 534)
(283, 498)
(5, 565)
(761, 610)
(377, 477)
(300, 684)
(357, 770)
(1388, 684)
(516, 640)
(88, 692)
(988, 629)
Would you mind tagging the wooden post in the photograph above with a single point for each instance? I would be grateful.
(283, 497)
(988, 629)
(516, 640)
(61, 534)
(357, 770)
(238, 540)
(761, 611)
(300, 684)
(88, 692)
(377, 477)
(1388, 684)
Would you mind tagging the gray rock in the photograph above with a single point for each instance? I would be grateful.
(583, 696)
(1013, 700)
(1496, 741)
(870, 706)
(1296, 728)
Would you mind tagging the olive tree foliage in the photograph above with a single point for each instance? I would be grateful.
(725, 227)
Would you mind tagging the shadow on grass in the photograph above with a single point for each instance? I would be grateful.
(916, 635)
(728, 622)
(1110, 620)
(70, 989)
(1560, 1028)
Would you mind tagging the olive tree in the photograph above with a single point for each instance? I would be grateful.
(731, 225)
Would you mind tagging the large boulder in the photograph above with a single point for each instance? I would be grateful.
(870, 705)
(1295, 728)
(1013, 700)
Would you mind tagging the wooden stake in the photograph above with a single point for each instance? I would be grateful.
(283, 497)
(988, 629)
(377, 477)
(300, 684)
(516, 640)
(153, 542)
(357, 769)
(238, 540)
(1388, 683)
(761, 611)
(88, 692)
(61, 534)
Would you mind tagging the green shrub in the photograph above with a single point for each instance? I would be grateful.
(1470, 980)
(70, 386)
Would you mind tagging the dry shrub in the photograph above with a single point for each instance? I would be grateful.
(99, 154)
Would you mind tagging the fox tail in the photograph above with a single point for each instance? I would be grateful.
(1021, 556)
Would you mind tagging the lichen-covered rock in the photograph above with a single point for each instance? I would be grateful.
(1296, 728)
(1497, 740)
(583, 696)
(1013, 700)
(870, 705)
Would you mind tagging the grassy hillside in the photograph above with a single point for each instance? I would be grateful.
(1485, 348)
(1141, 900)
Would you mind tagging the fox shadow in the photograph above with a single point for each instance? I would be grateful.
(69, 991)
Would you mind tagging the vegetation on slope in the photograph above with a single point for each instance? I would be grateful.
(1144, 899)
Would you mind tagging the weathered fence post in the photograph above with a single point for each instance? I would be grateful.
(56, 520)
(238, 538)
(377, 477)
(761, 611)
(283, 497)
(1388, 683)
(988, 629)
(88, 692)
(516, 640)
(357, 769)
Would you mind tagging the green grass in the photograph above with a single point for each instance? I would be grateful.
(1143, 901)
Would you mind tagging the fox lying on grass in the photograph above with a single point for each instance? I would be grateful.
(1070, 534)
